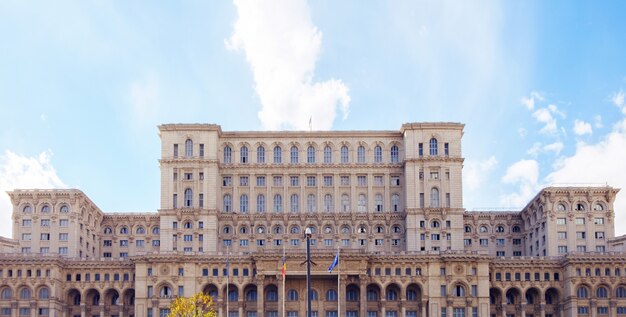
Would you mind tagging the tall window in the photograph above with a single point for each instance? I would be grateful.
(228, 203)
(328, 203)
(378, 154)
(294, 203)
(434, 197)
(278, 203)
(362, 203)
(360, 154)
(433, 147)
(188, 148)
(328, 155)
(260, 154)
(344, 155)
(260, 203)
(243, 203)
(395, 202)
(345, 203)
(278, 155)
(188, 197)
(379, 202)
(243, 155)
(310, 203)
(294, 155)
(310, 155)
(395, 156)
(227, 154)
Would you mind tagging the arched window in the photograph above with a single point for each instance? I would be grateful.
(328, 155)
(295, 230)
(582, 292)
(433, 147)
(251, 296)
(483, 229)
(560, 207)
(345, 229)
(243, 203)
(434, 197)
(260, 154)
(411, 295)
(6, 293)
(378, 201)
(395, 154)
(294, 203)
(292, 295)
(580, 207)
(45, 209)
(395, 202)
(278, 155)
(227, 230)
(310, 155)
(188, 148)
(228, 203)
(620, 292)
(396, 229)
(278, 229)
(228, 152)
(435, 224)
(328, 203)
(392, 295)
(294, 155)
(516, 229)
(260, 203)
(140, 230)
(233, 295)
(378, 154)
(360, 154)
(188, 197)
(372, 295)
(314, 295)
(25, 293)
(260, 229)
(459, 290)
(311, 203)
(345, 157)
(598, 207)
(243, 155)
(331, 295)
(243, 230)
(65, 209)
(362, 203)
(44, 293)
(500, 228)
(156, 230)
(278, 203)
(27, 209)
(468, 229)
(601, 292)
(345, 203)
(271, 296)
(95, 301)
(123, 230)
(107, 230)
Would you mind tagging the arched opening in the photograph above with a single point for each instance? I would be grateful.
(495, 301)
(532, 300)
(211, 290)
(513, 297)
(92, 301)
(72, 300)
(553, 300)
(250, 298)
(413, 299)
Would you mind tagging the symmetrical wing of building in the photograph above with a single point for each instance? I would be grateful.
(390, 201)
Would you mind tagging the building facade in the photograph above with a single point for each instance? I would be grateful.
(390, 202)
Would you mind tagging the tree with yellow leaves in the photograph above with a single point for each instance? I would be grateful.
(199, 305)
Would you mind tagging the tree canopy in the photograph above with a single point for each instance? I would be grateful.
(199, 305)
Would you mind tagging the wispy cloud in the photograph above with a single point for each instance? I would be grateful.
(582, 127)
(529, 101)
(17, 172)
(282, 46)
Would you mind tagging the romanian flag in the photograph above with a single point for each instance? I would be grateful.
(284, 269)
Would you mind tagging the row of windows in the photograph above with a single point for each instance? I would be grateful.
(345, 229)
(601, 292)
(311, 181)
(598, 272)
(311, 203)
(24, 293)
(311, 155)
(125, 230)
(580, 221)
(397, 242)
(45, 209)
(527, 276)
(45, 223)
(580, 206)
(96, 277)
(497, 229)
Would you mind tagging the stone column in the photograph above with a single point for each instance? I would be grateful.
(503, 307)
(33, 309)
(542, 312)
(363, 296)
(402, 308)
(14, 309)
(260, 304)
(281, 294)
(101, 309)
(613, 308)
(83, 310)
(523, 310)
(423, 309)
(240, 311)
(592, 308)
(341, 293)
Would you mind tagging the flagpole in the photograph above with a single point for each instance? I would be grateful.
(284, 277)
(338, 286)
(227, 278)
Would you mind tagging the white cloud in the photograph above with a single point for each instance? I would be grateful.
(476, 172)
(599, 163)
(544, 116)
(18, 172)
(555, 147)
(582, 127)
(618, 100)
(534, 150)
(529, 101)
(282, 45)
(597, 121)
(524, 174)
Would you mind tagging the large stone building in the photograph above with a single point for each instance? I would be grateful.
(390, 201)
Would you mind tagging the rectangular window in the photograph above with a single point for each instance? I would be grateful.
(484, 242)
(27, 223)
(378, 180)
(517, 241)
(310, 181)
(421, 200)
(64, 222)
(278, 181)
(395, 180)
(175, 150)
(499, 241)
(45, 222)
(561, 235)
(243, 181)
(580, 221)
(500, 253)
(581, 235)
(174, 201)
(260, 180)
(420, 150)
(188, 176)
(434, 175)
(446, 149)
(598, 221)
(562, 249)
(26, 236)
(443, 290)
(560, 221)
(344, 180)
(328, 181)
(227, 181)
(361, 180)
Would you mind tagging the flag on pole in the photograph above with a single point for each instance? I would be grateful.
(335, 263)
(284, 268)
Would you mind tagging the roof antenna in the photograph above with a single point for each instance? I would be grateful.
(310, 123)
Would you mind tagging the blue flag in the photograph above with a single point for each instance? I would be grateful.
(335, 263)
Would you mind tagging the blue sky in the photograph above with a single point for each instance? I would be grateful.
(539, 85)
